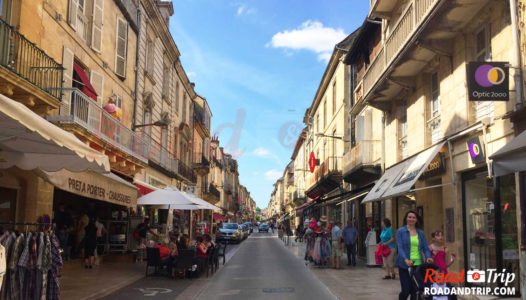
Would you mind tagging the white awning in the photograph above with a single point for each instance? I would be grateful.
(105, 187)
(202, 202)
(166, 196)
(30, 142)
(400, 178)
(511, 158)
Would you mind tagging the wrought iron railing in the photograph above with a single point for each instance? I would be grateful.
(366, 152)
(82, 110)
(186, 172)
(26, 60)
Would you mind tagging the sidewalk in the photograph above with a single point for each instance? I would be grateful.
(114, 273)
(362, 282)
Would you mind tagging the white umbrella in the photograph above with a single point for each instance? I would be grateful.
(202, 202)
(166, 196)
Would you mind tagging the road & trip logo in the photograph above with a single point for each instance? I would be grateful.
(438, 283)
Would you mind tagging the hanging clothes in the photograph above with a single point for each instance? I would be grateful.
(23, 267)
(53, 289)
(5, 292)
(2, 264)
(18, 247)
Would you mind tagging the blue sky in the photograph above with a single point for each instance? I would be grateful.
(259, 63)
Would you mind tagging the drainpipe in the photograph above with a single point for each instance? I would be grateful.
(137, 49)
(383, 143)
(516, 57)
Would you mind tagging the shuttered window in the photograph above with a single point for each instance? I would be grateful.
(97, 81)
(96, 29)
(121, 47)
(67, 63)
(166, 81)
(73, 12)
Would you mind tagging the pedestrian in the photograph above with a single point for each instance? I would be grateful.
(388, 240)
(439, 252)
(337, 245)
(349, 234)
(101, 231)
(90, 243)
(299, 232)
(412, 244)
(64, 222)
(272, 227)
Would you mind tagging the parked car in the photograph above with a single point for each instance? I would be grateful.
(263, 227)
(250, 228)
(245, 230)
(230, 232)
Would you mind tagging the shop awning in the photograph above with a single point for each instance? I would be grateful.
(144, 188)
(202, 202)
(400, 178)
(304, 205)
(219, 217)
(166, 196)
(105, 187)
(30, 142)
(511, 158)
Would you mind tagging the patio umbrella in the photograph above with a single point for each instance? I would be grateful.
(166, 196)
(202, 202)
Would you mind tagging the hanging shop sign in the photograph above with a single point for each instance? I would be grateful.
(312, 162)
(475, 150)
(436, 167)
(488, 81)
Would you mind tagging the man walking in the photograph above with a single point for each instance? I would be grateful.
(350, 233)
(337, 245)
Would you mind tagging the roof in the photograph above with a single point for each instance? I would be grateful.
(362, 34)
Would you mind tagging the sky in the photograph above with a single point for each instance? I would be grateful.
(259, 63)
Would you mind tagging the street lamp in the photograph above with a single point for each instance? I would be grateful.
(320, 134)
(160, 123)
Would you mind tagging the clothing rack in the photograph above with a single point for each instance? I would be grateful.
(27, 224)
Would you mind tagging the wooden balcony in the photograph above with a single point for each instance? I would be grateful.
(27, 73)
(362, 161)
(326, 177)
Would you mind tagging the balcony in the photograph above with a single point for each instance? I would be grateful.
(299, 197)
(186, 173)
(401, 33)
(27, 73)
(201, 122)
(210, 193)
(81, 112)
(159, 156)
(201, 164)
(326, 177)
(382, 8)
(362, 162)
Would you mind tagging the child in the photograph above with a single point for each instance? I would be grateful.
(439, 251)
(440, 286)
(140, 251)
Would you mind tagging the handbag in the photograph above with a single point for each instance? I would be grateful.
(386, 250)
(378, 255)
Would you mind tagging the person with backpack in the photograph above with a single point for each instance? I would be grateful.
(142, 229)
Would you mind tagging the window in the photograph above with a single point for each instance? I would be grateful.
(176, 96)
(121, 47)
(77, 17)
(334, 97)
(96, 25)
(435, 95)
(402, 129)
(184, 108)
(164, 137)
(317, 124)
(150, 56)
(324, 113)
(483, 44)
(166, 81)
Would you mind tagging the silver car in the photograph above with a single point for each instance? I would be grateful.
(230, 232)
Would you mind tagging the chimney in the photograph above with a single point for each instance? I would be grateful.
(166, 8)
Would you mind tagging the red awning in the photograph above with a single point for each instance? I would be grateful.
(87, 88)
(219, 217)
(304, 205)
(143, 190)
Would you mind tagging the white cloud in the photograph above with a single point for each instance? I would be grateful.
(272, 175)
(262, 152)
(244, 10)
(312, 36)
(191, 74)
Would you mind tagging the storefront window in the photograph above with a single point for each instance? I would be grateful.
(509, 230)
(480, 222)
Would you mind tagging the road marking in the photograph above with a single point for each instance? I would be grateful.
(151, 292)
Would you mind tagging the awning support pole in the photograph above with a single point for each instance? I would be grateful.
(431, 187)
(490, 175)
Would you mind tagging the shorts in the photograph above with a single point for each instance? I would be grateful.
(335, 250)
(389, 259)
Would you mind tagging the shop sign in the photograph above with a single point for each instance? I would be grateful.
(436, 167)
(312, 162)
(475, 150)
(95, 186)
(488, 81)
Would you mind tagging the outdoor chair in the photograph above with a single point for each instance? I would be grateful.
(185, 260)
(221, 251)
(210, 263)
(153, 259)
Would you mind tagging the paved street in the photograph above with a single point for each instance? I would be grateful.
(264, 269)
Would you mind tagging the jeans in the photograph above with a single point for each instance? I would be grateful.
(406, 284)
(351, 254)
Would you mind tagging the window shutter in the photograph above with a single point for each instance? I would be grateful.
(360, 130)
(97, 80)
(96, 29)
(73, 11)
(121, 45)
(67, 63)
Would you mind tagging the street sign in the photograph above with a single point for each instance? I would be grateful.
(312, 162)
(488, 81)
